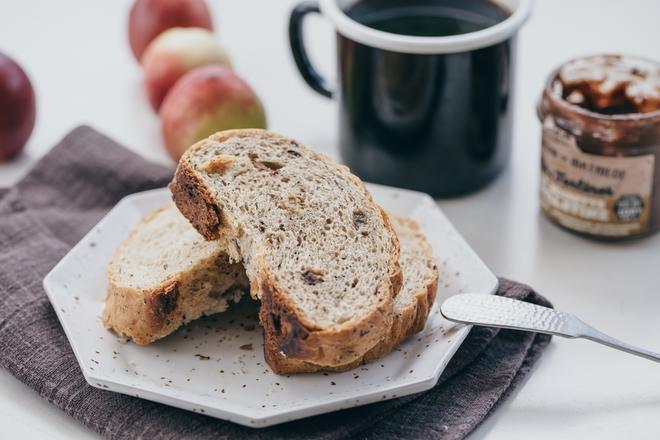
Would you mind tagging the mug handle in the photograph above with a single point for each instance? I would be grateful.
(309, 73)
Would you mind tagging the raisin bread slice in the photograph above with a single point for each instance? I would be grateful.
(411, 306)
(164, 275)
(321, 256)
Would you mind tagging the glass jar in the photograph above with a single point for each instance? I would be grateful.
(600, 167)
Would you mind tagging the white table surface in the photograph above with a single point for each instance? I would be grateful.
(77, 55)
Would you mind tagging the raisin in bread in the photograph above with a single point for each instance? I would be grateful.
(321, 256)
(164, 275)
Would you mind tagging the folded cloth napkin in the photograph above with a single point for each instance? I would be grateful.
(68, 191)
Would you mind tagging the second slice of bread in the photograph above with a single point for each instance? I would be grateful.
(320, 254)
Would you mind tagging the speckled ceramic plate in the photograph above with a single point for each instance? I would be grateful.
(215, 366)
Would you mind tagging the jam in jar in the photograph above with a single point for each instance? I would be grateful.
(600, 166)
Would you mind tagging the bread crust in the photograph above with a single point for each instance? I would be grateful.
(142, 317)
(194, 199)
(284, 330)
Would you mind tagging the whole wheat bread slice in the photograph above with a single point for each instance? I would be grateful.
(164, 275)
(411, 306)
(320, 254)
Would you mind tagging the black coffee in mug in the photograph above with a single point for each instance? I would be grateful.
(422, 105)
(434, 18)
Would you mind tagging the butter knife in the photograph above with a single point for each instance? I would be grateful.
(498, 311)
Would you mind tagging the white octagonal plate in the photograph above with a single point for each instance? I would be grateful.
(215, 366)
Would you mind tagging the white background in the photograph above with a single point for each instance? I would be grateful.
(76, 53)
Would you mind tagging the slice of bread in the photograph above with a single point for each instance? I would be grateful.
(164, 275)
(321, 256)
(411, 306)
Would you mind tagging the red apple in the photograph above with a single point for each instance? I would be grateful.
(206, 100)
(175, 52)
(17, 108)
(148, 18)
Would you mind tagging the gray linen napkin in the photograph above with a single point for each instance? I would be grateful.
(68, 191)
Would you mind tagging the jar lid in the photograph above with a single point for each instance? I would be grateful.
(607, 87)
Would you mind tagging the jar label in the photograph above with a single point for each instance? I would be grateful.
(599, 195)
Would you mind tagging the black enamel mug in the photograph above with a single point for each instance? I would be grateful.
(425, 100)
